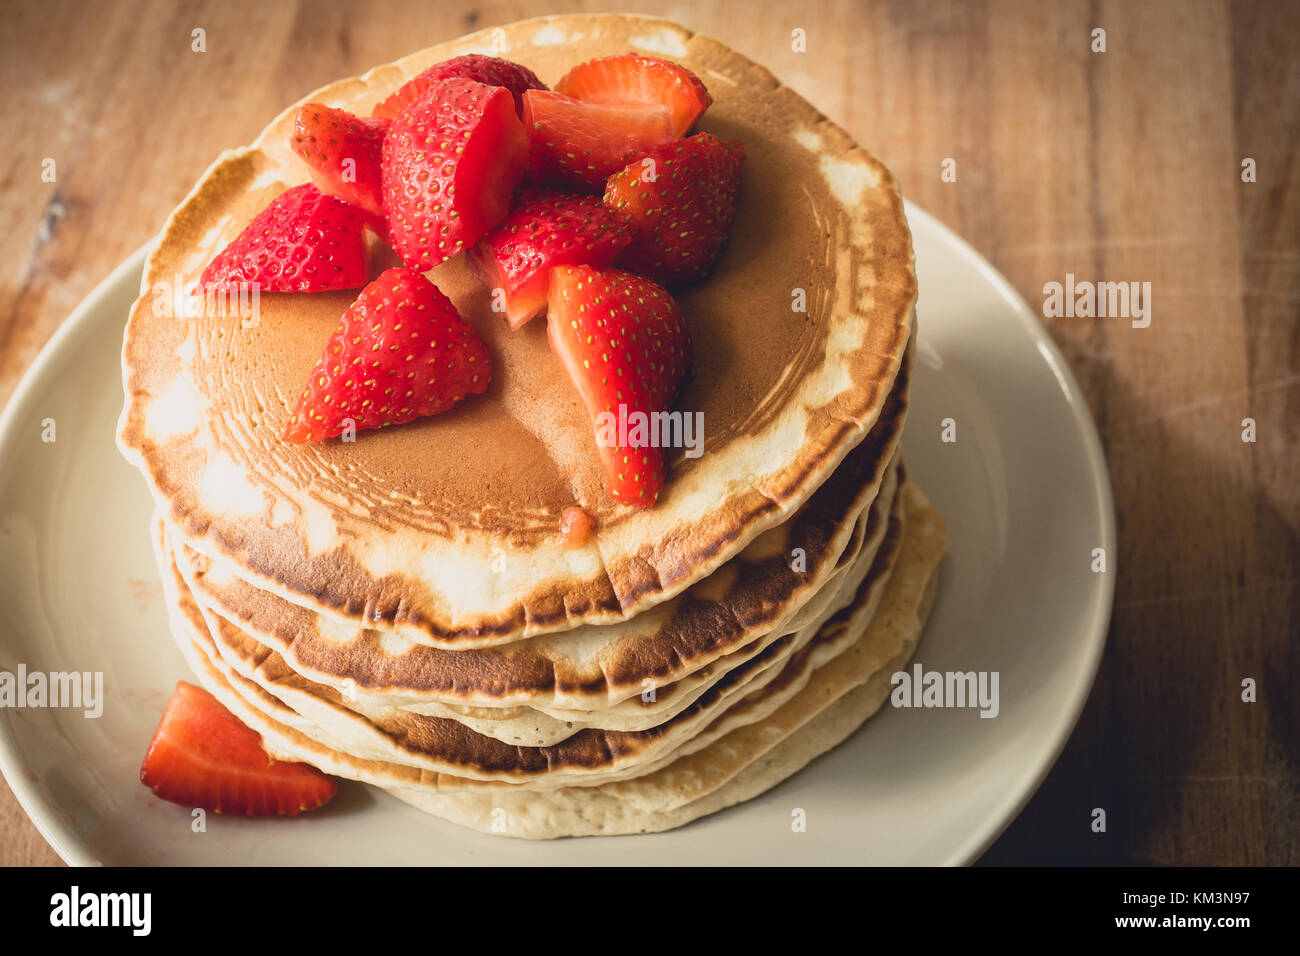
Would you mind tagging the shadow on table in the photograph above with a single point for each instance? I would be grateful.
(1186, 771)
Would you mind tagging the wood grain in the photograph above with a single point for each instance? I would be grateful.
(1123, 165)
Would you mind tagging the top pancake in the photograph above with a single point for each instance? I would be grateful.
(446, 529)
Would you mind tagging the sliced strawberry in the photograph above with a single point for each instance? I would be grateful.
(545, 230)
(203, 756)
(343, 152)
(488, 70)
(637, 80)
(451, 163)
(681, 200)
(627, 348)
(572, 143)
(401, 352)
(304, 241)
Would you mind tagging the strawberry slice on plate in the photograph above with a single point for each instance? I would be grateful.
(577, 144)
(400, 352)
(545, 230)
(680, 199)
(203, 756)
(626, 347)
(451, 163)
(343, 152)
(637, 80)
(304, 241)
(488, 70)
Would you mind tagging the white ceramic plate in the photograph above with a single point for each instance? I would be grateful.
(1024, 490)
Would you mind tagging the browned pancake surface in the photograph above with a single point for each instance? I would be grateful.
(402, 527)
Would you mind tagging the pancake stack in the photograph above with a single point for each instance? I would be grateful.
(403, 609)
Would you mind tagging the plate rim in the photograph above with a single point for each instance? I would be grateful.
(43, 813)
(1010, 808)
(72, 849)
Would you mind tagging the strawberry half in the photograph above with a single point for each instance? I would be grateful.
(572, 143)
(401, 352)
(304, 241)
(343, 152)
(627, 348)
(637, 80)
(488, 70)
(681, 200)
(203, 756)
(544, 231)
(451, 163)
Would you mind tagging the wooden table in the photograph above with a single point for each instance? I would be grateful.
(1123, 165)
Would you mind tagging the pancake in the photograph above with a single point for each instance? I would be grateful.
(534, 726)
(445, 531)
(448, 749)
(836, 697)
(531, 727)
(591, 667)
